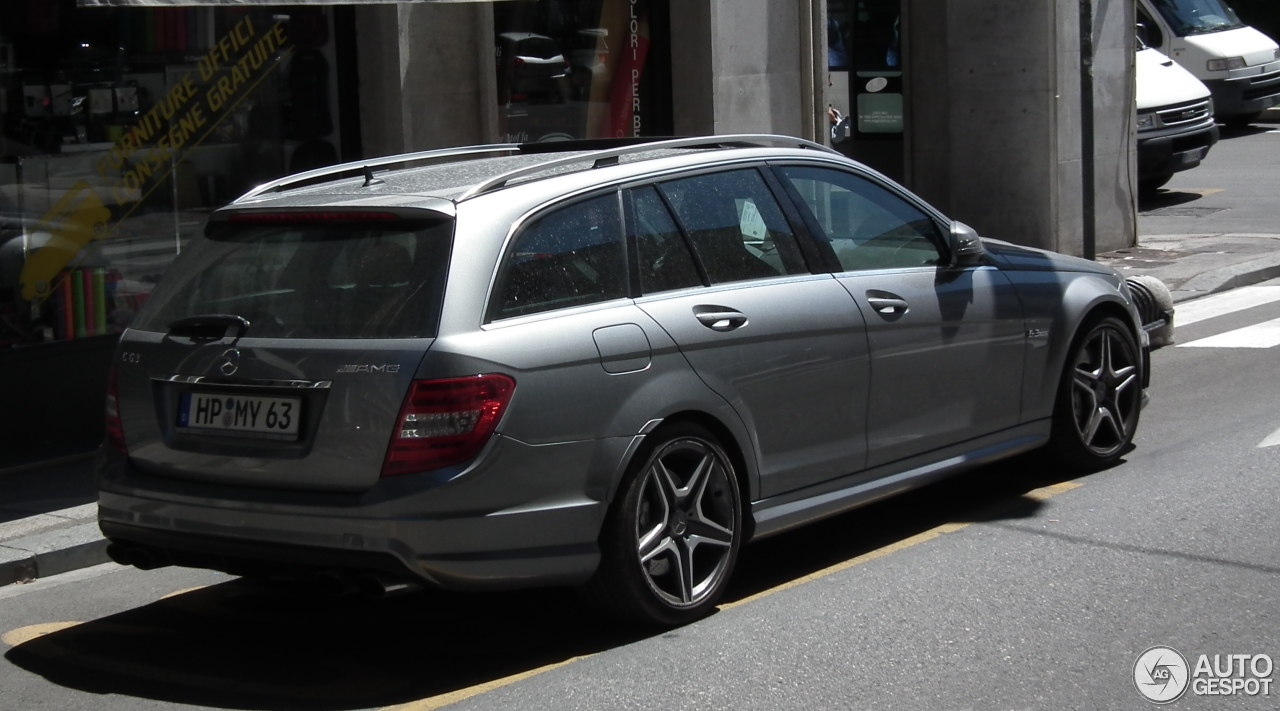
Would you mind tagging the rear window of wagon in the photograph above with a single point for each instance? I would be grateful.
(311, 280)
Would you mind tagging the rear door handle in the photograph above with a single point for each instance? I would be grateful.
(719, 318)
(887, 304)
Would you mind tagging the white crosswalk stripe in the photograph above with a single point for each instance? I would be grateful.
(1259, 335)
(1223, 304)
(1270, 441)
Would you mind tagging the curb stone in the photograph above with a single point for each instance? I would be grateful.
(1230, 277)
(52, 552)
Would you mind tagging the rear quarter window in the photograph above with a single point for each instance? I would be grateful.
(310, 281)
(573, 256)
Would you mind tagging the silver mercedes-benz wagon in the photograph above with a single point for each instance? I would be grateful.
(598, 364)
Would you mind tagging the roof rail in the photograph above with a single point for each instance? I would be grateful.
(363, 167)
(605, 158)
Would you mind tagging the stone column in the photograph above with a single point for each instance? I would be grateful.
(995, 118)
(427, 76)
(737, 66)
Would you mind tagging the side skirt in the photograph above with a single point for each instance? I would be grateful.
(781, 513)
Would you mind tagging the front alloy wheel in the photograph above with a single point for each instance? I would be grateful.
(672, 537)
(1098, 407)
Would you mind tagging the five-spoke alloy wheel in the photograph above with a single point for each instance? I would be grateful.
(673, 532)
(1100, 397)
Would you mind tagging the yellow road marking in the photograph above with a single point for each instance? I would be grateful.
(22, 635)
(1036, 495)
(443, 700)
(852, 562)
(1051, 491)
(453, 697)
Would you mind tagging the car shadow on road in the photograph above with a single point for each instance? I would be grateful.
(244, 644)
(1150, 202)
(1229, 132)
(1001, 491)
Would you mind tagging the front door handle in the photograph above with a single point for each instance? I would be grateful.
(719, 318)
(887, 304)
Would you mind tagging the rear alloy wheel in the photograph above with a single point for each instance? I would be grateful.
(672, 536)
(1100, 397)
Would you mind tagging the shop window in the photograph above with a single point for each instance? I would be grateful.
(121, 129)
(582, 69)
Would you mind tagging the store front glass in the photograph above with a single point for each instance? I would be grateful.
(865, 63)
(121, 130)
(582, 69)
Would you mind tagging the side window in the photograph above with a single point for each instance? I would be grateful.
(736, 227)
(867, 226)
(1151, 33)
(665, 260)
(571, 257)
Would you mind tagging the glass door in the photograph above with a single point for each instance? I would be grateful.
(865, 61)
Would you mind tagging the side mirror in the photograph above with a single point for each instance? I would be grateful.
(1144, 39)
(965, 245)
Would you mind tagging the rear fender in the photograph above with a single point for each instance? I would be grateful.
(686, 398)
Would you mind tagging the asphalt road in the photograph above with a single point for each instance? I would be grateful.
(1232, 192)
(1013, 587)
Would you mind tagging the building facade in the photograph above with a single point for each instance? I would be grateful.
(124, 123)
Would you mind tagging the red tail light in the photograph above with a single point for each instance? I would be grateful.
(445, 422)
(115, 428)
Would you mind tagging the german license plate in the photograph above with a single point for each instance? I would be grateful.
(240, 413)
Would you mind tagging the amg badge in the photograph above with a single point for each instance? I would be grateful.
(369, 369)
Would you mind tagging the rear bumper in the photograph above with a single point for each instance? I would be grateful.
(1167, 155)
(455, 535)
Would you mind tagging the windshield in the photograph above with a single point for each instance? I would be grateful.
(310, 281)
(538, 48)
(1197, 17)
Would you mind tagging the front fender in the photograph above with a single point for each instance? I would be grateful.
(1058, 304)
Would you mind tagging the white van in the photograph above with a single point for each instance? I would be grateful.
(1175, 119)
(1239, 64)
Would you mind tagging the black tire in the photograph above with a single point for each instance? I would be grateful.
(1147, 187)
(688, 524)
(1099, 396)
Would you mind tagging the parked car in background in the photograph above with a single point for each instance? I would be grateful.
(589, 60)
(1239, 65)
(1175, 119)
(604, 364)
(531, 68)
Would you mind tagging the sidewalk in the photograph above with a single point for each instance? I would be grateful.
(1197, 265)
(48, 521)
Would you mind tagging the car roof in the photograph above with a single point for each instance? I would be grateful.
(483, 169)
(521, 36)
